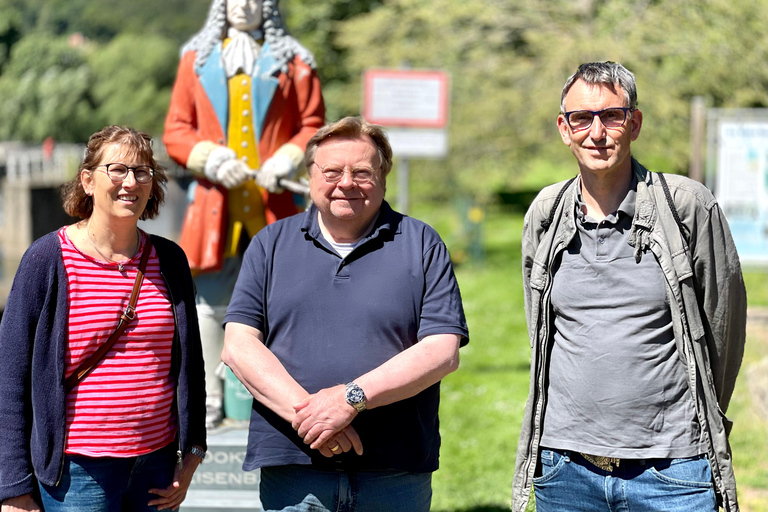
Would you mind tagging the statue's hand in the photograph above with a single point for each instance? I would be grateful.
(275, 169)
(216, 158)
(233, 172)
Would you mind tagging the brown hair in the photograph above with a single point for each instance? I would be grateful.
(79, 204)
(352, 128)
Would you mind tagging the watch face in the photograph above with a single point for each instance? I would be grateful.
(355, 395)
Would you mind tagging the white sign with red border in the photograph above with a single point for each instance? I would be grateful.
(405, 98)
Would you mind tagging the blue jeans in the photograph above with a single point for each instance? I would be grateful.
(570, 483)
(110, 484)
(303, 489)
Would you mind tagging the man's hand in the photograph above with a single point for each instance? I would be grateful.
(346, 440)
(273, 170)
(172, 496)
(21, 503)
(323, 415)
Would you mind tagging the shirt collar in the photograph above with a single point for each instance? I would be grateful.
(627, 206)
(387, 220)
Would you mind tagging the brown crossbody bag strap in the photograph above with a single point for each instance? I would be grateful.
(86, 366)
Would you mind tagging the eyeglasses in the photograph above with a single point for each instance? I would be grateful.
(360, 175)
(613, 117)
(117, 172)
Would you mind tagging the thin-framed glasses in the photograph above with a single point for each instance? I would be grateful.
(117, 172)
(333, 174)
(613, 117)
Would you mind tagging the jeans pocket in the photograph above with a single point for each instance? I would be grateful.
(551, 464)
(685, 472)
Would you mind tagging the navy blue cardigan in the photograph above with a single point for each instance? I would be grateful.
(32, 347)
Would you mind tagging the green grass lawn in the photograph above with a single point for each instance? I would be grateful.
(482, 403)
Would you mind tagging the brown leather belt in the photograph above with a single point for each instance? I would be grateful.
(604, 463)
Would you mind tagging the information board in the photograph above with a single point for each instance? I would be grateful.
(742, 185)
(405, 98)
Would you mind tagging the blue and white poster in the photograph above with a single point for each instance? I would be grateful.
(742, 186)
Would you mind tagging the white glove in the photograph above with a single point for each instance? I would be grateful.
(233, 172)
(275, 169)
(216, 158)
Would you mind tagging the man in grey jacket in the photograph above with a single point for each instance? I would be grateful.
(636, 315)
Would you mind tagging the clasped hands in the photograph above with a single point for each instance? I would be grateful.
(323, 421)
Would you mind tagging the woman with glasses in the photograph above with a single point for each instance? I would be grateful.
(86, 431)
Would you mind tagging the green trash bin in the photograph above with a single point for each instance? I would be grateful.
(237, 399)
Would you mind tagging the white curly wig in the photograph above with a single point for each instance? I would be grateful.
(282, 46)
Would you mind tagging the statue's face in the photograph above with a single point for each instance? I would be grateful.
(244, 14)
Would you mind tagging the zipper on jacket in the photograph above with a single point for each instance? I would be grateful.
(543, 325)
(174, 355)
(63, 455)
(692, 380)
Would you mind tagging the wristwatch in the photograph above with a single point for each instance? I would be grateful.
(197, 452)
(355, 397)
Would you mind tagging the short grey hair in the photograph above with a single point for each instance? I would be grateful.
(603, 73)
(351, 128)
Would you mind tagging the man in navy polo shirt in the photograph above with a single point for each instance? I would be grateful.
(343, 321)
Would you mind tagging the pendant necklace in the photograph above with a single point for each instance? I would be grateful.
(120, 266)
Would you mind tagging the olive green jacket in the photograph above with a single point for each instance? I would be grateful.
(705, 289)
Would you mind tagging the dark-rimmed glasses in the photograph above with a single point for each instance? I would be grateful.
(333, 174)
(117, 172)
(613, 117)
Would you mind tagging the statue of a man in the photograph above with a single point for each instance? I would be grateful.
(246, 101)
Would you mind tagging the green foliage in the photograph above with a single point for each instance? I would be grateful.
(104, 19)
(45, 91)
(508, 61)
(316, 25)
(133, 79)
(482, 404)
(175, 20)
(10, 30)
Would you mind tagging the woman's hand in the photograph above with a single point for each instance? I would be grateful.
(172, 496)
(21, 503)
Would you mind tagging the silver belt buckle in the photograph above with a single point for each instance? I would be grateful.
(604, 463)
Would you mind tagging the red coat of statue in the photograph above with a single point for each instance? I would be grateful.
(279, 106)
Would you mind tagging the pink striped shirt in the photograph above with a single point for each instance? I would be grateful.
(124, 407)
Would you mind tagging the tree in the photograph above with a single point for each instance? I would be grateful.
(46, 92)
(508, 61)
(316, 25)
(10, 30)
(133, 79)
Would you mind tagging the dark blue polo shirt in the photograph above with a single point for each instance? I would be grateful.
(330, 320)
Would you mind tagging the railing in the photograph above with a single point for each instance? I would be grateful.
(34, 165)
(31, 164)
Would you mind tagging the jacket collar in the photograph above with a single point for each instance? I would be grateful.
(643, 222)
(645, 212)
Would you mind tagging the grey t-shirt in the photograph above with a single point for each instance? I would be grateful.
(617, 387)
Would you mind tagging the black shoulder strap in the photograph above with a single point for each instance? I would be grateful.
(680, 225)
(548, 221)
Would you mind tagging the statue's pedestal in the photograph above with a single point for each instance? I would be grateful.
(220, 484)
